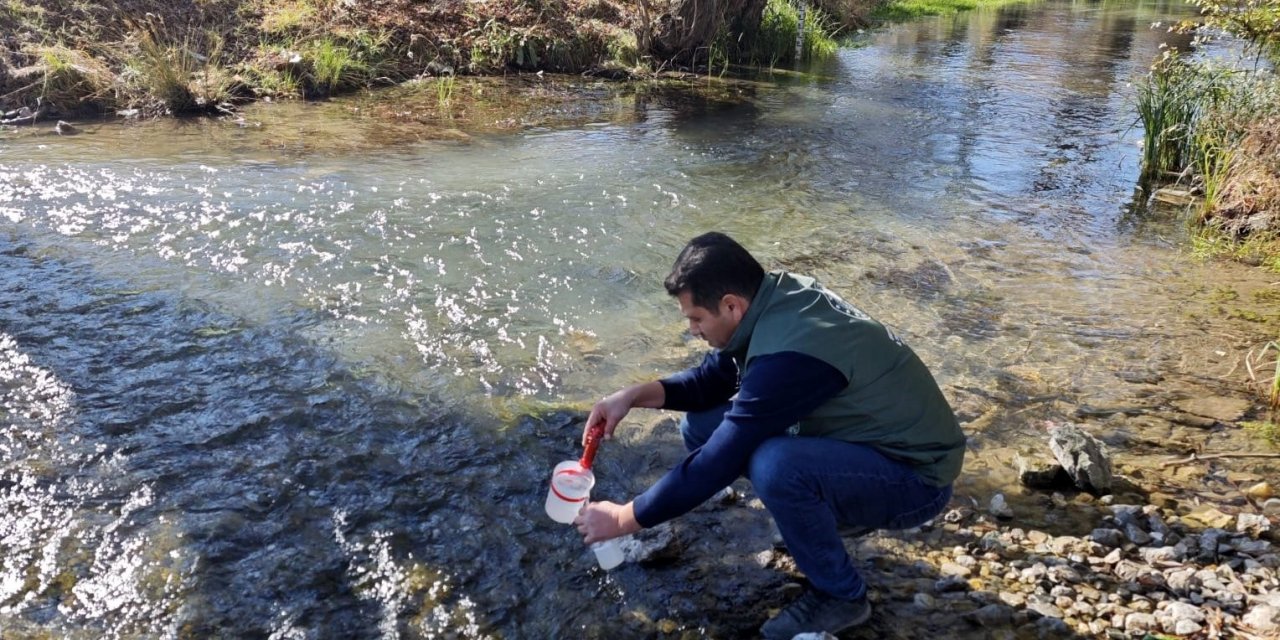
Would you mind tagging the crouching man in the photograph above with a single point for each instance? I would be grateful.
(837, 424)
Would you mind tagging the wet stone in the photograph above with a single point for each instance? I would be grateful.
(1044, 608)
(1219, 408)
(1136, 534)
(924, 602)
(1271, 507)
(1260, 491)
(950, 584)
(1127, 514)
(1084, 457)
(1041, 473)
(1050, 627)
(1012, 598)
(992, 615)
(1207, 516)
(999, 508)
(1107, 537)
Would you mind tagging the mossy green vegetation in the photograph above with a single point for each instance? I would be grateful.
(1265, 430)
(902, 10)
(780, 30)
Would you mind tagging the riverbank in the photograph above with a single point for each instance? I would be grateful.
(145, 57)
(1210, 122)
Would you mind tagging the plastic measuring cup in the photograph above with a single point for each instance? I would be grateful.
(570, 486)
(571, 481)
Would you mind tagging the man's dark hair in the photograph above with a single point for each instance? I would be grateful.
(711, 266)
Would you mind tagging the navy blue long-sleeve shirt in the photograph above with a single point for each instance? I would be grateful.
(779, 390)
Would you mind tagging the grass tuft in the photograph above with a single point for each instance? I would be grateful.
(68, 79)
(780, 28)
(281, 17)
(335, 66)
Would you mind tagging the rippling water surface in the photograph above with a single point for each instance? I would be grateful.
(257, 379)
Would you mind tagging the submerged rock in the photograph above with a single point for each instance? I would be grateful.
(1208, 516)
(1084, 457)
(1038, 473)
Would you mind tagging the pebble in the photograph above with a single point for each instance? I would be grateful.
(1107, 537)
(1139, 622)
(1260, 491)
(999, 508)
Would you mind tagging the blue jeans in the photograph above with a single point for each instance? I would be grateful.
(812, 486)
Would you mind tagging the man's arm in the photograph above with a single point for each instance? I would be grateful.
(779, 390)
(615, 406)
(707, 385)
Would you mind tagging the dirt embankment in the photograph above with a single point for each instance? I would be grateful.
(100, 56)
(191, 55)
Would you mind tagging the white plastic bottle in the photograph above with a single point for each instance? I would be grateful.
(609, 553)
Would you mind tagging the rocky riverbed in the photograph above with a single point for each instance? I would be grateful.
(1056, 564)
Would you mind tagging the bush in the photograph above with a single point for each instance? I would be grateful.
(780, 28)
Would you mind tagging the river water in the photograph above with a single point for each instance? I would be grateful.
(263, 377)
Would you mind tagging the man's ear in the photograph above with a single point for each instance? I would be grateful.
(734, 304)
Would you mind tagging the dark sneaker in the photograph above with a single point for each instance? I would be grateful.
(815, 612)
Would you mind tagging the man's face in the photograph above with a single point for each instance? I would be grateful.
(716, 327)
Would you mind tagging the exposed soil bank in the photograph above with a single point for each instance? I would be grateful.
(61, 59)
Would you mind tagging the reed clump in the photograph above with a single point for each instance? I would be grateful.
(1212, 127)
(781, 28)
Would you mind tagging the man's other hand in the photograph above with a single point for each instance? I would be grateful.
(601, 521)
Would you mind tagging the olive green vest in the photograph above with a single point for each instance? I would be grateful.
(891, 403)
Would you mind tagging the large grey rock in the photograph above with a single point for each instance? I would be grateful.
(1084, 457)
(651, 545)
(1263, 619)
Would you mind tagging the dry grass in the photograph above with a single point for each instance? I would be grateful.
(1249, 200)
(69, 80)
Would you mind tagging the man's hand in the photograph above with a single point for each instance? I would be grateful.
(601, 521)
(615, 406)
(610, 410)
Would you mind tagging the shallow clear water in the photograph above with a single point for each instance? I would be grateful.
(257, 378)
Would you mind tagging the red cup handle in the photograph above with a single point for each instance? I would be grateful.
(594, 434)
